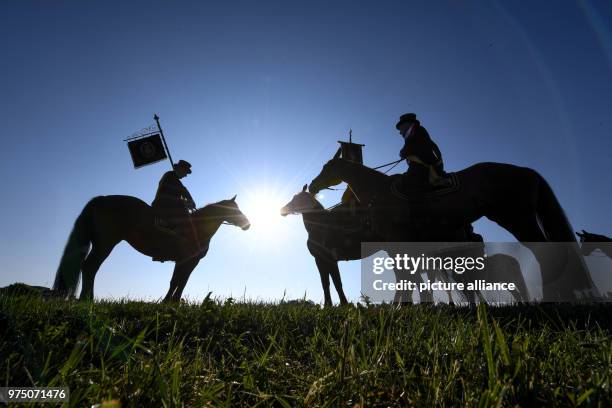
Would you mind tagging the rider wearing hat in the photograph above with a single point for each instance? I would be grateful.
(172, 201)
(422, 154)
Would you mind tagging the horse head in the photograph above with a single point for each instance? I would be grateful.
(231, 214)
(301, 203)
(327, 177)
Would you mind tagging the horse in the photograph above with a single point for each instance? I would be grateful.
(107, 220)
(333, 235)
(591, 242)
(336, 235)
(517, 198)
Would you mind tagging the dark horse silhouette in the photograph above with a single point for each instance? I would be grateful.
(336, 235)
(333, 235)
(107, 220)
(516, 198)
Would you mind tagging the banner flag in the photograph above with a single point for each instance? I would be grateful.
(147, 150)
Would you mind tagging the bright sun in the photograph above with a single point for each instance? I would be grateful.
(262, 208)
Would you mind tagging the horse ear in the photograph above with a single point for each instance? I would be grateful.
(233, 198)
(337, 155)
(304, 188)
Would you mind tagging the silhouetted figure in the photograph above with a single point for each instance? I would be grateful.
(172, 201)
(107, 220)
(333, 235)
(425, 165)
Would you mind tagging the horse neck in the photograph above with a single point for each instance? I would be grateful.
(209, 220)
(363, 180)
(313, 215)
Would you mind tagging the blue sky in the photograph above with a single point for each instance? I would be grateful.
(256, 94)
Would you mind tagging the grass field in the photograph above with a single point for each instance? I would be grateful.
(245, 354)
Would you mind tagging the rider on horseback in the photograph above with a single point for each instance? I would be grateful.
(172, 201)
(425, 165)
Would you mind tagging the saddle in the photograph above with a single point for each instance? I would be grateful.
(410, 187)
(174, 232)
(180, 225)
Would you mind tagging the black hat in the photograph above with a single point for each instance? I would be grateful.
(184, 164)
(406, 117)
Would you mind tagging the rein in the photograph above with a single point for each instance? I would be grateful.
(394, 163)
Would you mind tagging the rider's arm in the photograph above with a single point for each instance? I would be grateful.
(423, 148)
(171, 186)
(186, 194)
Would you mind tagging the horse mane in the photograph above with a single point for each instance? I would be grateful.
(370, 171)
(317, 203)
(208, 208)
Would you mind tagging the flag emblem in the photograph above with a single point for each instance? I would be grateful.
(147, 150)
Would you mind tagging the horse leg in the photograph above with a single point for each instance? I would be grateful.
(551, 215)
(453, 300)
(182, 271)
(335, 274)
(506, 263)
(324, 266)
(575, 280)
(173, 284)
(527, 230)
(521, 293)
(90, 267)
(188, 268)
(468, 295)
(427, 296)
(405, 296)
(449, 292)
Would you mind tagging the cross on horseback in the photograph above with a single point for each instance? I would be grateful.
(171, 229)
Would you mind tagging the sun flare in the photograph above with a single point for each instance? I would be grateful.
(263, 211)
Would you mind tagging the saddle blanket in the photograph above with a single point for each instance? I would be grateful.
(399, 189)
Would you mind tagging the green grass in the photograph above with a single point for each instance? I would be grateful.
(244, 354)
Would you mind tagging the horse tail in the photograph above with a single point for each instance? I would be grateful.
(69, 270)
(555, 224)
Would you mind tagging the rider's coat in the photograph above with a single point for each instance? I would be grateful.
(169, 202)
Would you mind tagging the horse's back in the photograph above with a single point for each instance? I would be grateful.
(473, 191)
(124, 200)
(498, 178)
(504, 170)
(121, 204)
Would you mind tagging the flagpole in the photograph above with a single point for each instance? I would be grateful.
(161, 132)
